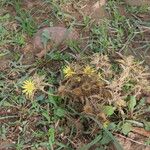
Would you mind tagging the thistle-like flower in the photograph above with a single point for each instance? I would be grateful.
(68, 71)
(29, 88)
(88, 70)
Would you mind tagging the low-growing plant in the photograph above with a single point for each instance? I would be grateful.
(109, 95)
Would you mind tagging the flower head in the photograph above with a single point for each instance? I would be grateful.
(88, 70)
(88, 109)
(68, 71)
(28, 87)
(120, 103)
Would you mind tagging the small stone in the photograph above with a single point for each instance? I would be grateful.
(58, 36)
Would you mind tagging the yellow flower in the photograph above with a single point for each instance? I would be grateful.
(120, 103)
(88, 70)
(68, 71)
(28, 88)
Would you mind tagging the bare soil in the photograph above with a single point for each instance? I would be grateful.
(137, 2)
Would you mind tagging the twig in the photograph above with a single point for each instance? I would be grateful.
(129, 139)
(139, 124)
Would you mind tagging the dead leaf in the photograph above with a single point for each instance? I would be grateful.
(141, 131)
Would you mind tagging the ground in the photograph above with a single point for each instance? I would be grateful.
(87, 65)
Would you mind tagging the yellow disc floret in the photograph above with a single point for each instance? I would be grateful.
(28, 87)
(68, 71)
(88, 70)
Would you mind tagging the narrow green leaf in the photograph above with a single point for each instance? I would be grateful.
(45, 37)
(89, 145)
(114, 140)
(51, 133)
(46, 115)
(132, 103)
(59, 112)
(106, 139)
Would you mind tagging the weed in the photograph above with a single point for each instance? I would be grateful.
(138, 9)
(25, 20)
(103, 92)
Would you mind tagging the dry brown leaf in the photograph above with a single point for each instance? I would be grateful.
(141, 131)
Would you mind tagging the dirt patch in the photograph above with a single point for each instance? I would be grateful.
(6, 144)
(135, 142)
(93, 9)
(5, 58)
(28, 54)
(140, 46)
(38, 9)
(122, 10)
(4, 64)
(96, 10)
(137, 2)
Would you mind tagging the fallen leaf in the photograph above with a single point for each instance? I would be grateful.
(141, 131)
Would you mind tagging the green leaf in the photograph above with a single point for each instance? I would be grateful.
(147, 125)
(106, 139)
(59, 112)
(126, 128)
(112, 126)
(46, 115)
(5, 17)
(114, 140)
(45, 37)
(4, 53)
(52, 100)
(108, 110)
(51, 133)
(147, 142)
(40, 98)
(132, 103)
(89, 145)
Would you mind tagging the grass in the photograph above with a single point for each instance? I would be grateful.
(49, 120)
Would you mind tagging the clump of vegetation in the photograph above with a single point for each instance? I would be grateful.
(105, 88)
